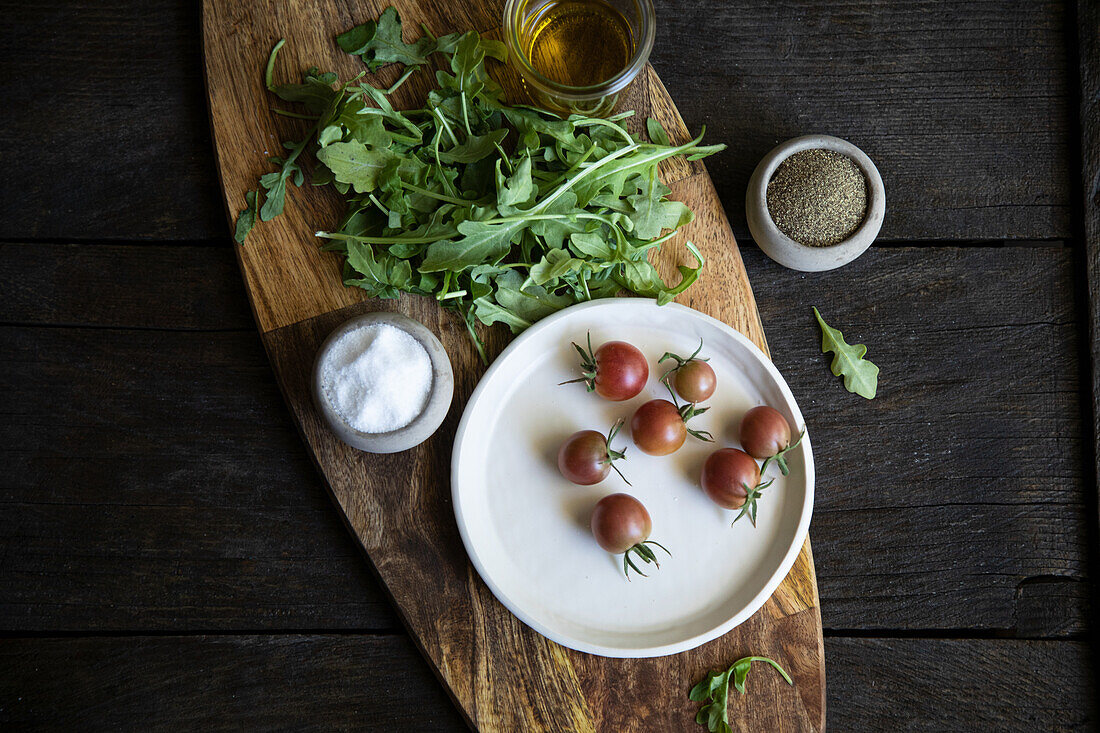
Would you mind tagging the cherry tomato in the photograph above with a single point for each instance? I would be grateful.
(586, 457)
(764, 432)
(621, 524)
(731, 479)
(695, 381)
(728, 476)
(693, 377)
(616, 371)
(658, 428)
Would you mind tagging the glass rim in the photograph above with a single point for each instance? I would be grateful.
(615, 84)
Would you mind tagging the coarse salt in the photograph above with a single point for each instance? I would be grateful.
(377, 378)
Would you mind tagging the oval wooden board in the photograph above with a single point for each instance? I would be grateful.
(502, 675)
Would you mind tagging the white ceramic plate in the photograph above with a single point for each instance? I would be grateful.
(526, 528)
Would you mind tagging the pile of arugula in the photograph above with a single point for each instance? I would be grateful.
(501, 213)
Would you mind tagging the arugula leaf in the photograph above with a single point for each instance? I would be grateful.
(592, 245)
(475, 148)
(688, 275)
(447, 43)
(315, 92)
(482, 243)
(554, 264)
(860, 375)
(354, 163)
(516, 189)
(642, 278)
(246, 219)
(656, 132)
(652, 214)
(356, 40)
(714, 691)
(530, 124)
(530, 302)
(275, 184)
(382, 44)
(383, 276)
(489, 312)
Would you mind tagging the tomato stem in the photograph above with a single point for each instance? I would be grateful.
(751, 496)
(680, 363)
(588, 366)
(645, 554)
(687, 411)
(612, 454)
(780, 459)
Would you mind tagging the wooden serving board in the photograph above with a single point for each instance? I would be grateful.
(501, 674)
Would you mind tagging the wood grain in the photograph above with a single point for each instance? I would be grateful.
(377, 683)
(967, 107)
(1088, 23)
(502, 675)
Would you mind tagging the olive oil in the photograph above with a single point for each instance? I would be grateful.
(578, 43)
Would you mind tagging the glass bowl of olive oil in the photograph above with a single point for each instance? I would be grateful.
(576, 56)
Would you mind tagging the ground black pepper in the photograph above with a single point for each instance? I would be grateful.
(817, 197)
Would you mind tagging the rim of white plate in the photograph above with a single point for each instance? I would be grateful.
(683, 645)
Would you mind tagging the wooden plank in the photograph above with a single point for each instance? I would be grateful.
(219, 443)
(965, 107)
(503, 675)
(152, 480)
(961, 684)
(105, 132)
(282, 682)
(1088, 24)
(377, 683)
(114, 285)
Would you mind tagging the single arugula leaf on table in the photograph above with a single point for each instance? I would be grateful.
(860, 375)
(713, 690)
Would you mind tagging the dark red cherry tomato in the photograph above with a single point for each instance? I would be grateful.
(766, 434)
(731, 479)
(658, 428)
(586, 457)
(616, 371)
(621, 524)
(695, 381)
(728, 475)
(692, 376)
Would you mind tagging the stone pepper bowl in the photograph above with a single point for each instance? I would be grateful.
(785, 250)
(423, 425)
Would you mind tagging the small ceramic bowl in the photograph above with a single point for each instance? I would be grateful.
(785, 250)
(423, 425)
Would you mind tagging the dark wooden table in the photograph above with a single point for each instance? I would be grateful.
(169, 558)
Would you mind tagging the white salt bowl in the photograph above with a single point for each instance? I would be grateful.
(423, 425)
